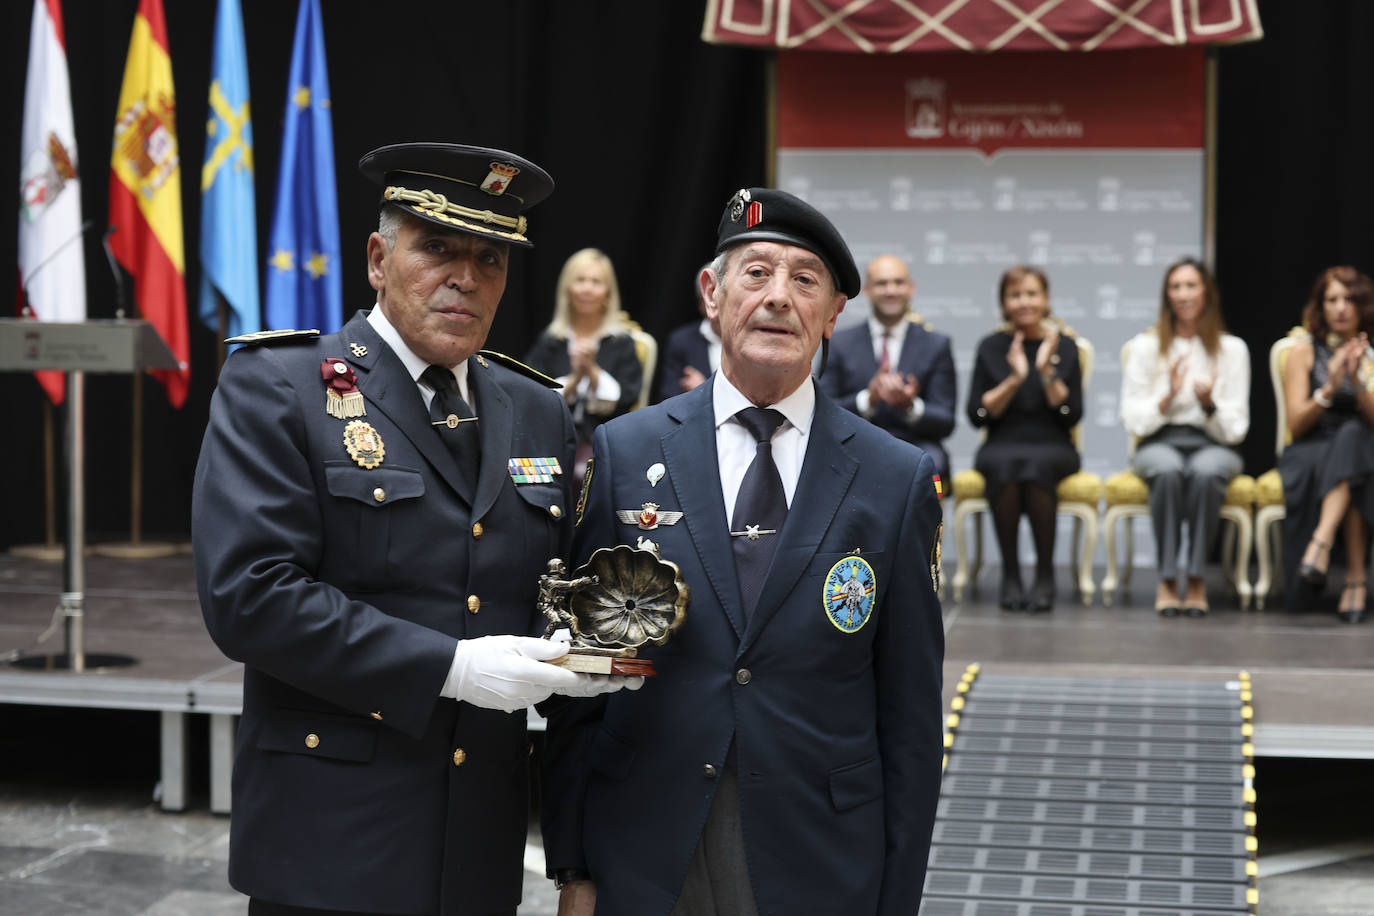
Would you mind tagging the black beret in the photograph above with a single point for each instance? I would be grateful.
(776, 216)
(464, 188)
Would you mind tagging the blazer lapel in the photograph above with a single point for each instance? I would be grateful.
(689, 452)
(827, 471)
(496, 426)
(387, 385)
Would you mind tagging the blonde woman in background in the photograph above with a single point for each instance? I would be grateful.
(1185, 394)
(586, 347)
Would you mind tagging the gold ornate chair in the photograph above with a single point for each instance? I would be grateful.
(1269, 496)
(1128, 497)
(646, 350)
(1078, 497)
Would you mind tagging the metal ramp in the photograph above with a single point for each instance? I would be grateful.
(1095, 797)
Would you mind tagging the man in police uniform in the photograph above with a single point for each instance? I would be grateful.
(786, 759)
(893, 370)
(372, 552)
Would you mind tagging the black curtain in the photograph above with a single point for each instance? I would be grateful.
(1295, 186)
(645, 129)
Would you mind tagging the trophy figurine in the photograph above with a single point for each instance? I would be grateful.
(621, 599)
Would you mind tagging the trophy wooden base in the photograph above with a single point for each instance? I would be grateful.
(590, 660)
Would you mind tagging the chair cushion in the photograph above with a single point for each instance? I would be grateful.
(1242, 491)
(969, 484)
(1080, 487)
(1269, 489)
(1127, 489)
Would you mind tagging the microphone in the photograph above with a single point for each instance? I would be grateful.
(120, 298)
(86, 226)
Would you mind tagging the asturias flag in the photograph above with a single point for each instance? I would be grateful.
(303, 288)
(228, 224)
(145, 192)
(52, 265)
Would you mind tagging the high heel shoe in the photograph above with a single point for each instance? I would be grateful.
(1308, 572)
(1011, 597)
(1354, 613)
(1042, 597)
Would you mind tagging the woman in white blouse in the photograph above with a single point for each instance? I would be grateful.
(1185, 394)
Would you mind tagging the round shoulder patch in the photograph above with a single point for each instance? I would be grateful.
(850, 593)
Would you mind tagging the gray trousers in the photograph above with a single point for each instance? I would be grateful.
(1188, 474)
(718, 877)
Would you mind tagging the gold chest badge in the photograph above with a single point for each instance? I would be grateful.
(364, 444)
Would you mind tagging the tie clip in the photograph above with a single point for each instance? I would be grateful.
(452, 421)
(752, 532)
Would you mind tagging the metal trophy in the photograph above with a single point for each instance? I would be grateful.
(621, 599)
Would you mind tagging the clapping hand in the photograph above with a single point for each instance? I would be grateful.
(1202, 388)
(1046, 352)
(583, 357)
(1016, 356)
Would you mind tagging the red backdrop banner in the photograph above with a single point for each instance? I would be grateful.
(896, 26)
(1148, 99)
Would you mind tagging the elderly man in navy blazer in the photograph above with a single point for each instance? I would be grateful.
(786, 759)
(892, 370)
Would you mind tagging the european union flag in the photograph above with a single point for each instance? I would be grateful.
(228, 223)
(303, 288)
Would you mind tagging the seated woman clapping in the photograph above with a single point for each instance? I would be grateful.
(1327, 472)
(1185, 393)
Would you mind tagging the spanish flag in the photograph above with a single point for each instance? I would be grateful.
(145, 192)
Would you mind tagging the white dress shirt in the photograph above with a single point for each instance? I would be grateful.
(414, 365)
(876, 329)
(712, 344)
(735, 445)
(1145, 382)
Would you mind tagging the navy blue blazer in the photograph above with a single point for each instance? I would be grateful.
(925, 354)
(836, 735)
(685, 347)
(343, 590)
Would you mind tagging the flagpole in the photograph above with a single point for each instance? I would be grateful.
(49, 480)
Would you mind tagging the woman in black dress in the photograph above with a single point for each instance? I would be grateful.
(587, 348)
(1027, 393)
(1328, 470)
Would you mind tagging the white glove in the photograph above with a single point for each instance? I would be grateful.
(590, 685)
(506, 672)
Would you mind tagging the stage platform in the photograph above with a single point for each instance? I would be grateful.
(1312, 674)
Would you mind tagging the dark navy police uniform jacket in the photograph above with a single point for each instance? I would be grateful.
(343, 588)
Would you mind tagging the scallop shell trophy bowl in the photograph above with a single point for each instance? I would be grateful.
(637, 599)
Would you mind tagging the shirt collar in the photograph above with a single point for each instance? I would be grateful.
(798, 407)
(708, 332)
(414, 364)
(876, 328)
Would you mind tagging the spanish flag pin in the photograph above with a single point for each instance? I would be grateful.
(939, 486)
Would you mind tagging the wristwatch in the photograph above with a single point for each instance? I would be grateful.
(562, 877)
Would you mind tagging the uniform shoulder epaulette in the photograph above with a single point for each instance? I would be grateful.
(515, 365)
(258, 338)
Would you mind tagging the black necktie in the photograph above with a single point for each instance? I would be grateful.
(760, 508)
(454, 420)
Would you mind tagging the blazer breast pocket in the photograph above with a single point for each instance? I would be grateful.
(366, 507)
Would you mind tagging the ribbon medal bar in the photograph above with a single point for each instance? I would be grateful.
(533, 470)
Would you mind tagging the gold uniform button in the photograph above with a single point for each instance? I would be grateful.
(477, 531)
(474, 604)
(379, 494)
(376, 715)
(460, 757)
(312, 741)
(556, 511)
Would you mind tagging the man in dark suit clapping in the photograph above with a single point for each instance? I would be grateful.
(892, 370)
